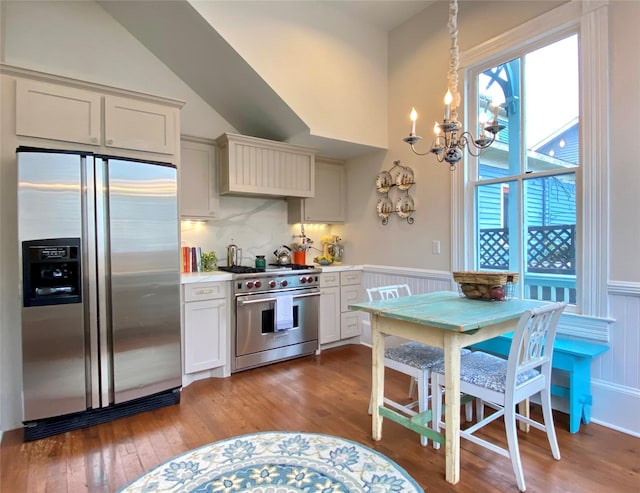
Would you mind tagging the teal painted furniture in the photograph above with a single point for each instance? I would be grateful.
(571, 356)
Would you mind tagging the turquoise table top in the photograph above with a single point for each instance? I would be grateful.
(448, 310)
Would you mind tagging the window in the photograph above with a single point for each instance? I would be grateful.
(536, 97)
(535, 201)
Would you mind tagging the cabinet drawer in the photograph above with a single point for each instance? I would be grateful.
(350, 325)
(350, 277)
(329, 279)
(349, 295)
(204, 291)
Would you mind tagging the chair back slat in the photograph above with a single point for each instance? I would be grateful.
(388, 292)
(532, 344)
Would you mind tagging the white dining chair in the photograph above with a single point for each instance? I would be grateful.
(502, 384)
(411, 358)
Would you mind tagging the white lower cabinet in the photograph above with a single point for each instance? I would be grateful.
(329, 314)
(337, 291)
(206, 311)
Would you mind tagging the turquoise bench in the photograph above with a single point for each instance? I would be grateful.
(571, 356)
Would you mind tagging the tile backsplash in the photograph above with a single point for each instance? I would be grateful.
(257, 225)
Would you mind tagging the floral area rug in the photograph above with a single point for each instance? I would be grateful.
(278, 462)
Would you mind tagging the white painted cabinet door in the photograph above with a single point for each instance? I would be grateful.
(198, 188)
(140, 125)
(205, 339)
(329, 315)
(329, 203)
(56, 112)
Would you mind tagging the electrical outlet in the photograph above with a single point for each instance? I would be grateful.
(435, 247)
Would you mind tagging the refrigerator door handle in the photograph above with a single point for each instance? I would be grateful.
(90, 281)
(103, 277)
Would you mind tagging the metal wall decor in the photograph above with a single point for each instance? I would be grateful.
(402, 204)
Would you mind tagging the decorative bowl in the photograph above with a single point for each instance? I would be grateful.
(486, 285)
(323, 260)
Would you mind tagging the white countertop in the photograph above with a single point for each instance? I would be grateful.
(213, 276)
(339, 267)
(219, 275)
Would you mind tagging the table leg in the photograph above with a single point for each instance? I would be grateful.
(452, 410)
(377, 378)
(524, 408)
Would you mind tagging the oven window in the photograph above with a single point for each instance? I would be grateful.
(269, 319)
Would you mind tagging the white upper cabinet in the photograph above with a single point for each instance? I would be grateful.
(198, 190)
(106, 118)
(252, 166)
(140, 125)
(57, 112)
(328, 204)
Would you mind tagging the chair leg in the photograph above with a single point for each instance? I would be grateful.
(423, 399)
(468, 411)
(547, 414)
(436, 406)
(412, 387)
(512, 444)
(479, 409)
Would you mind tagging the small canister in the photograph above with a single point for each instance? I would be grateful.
(261, 263)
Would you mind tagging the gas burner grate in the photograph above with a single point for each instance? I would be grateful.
(293, 266)
(239, 269)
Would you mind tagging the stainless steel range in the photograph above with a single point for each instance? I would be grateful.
(275, 315)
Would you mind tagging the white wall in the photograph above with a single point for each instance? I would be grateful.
(331, 69)
(624, 19)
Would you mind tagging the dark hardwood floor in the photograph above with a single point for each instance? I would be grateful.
(323, 394)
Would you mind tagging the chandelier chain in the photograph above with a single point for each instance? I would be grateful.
(454, 58)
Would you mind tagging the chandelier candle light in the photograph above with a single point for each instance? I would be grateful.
(449, 143)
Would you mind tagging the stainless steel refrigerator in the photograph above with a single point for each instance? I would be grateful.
(100, 272)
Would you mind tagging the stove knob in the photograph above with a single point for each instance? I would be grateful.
(309, 279)
(249, 284)
(272, 284)
(258, 284)
(303, 280)
(284, 283)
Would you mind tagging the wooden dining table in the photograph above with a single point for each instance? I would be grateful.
(444, 319)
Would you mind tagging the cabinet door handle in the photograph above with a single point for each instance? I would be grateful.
(110, 141)
(94, 139)
(205, 291)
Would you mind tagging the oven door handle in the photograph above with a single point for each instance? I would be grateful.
(266, 300)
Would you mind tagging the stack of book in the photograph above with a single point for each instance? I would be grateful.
(191, 259)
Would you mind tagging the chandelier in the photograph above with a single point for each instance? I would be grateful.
(450, 140)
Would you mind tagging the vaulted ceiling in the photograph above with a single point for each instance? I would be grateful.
(184, 41)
